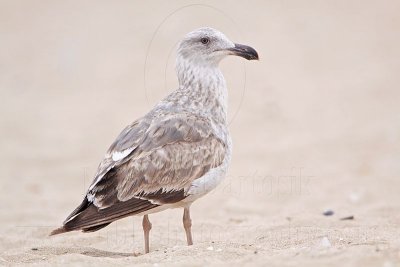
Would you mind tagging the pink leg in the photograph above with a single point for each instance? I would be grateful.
(146, 229)
(187, 224)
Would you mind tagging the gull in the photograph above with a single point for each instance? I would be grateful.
(173, 155)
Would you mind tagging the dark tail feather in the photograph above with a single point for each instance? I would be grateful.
(58, 231)
(89, 218)
(62, 229)
(84, 205)
(94, 228)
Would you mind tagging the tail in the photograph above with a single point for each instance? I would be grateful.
(88, 218)
(63, 229)
(58, 231)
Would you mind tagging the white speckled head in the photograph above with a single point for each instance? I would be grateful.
(204, 46)
(201, 50)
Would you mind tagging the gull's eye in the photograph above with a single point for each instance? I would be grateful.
(205, 40)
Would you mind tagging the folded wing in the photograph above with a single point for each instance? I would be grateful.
(151, 163)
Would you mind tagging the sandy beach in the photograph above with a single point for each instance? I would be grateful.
(315, 128)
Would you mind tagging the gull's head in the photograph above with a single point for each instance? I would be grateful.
(207, 47)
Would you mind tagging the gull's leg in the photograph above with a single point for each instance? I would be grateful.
(146, 229)
(187, 224)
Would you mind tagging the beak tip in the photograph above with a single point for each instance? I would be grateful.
(252, 57)
(246, 52)
(256, 57)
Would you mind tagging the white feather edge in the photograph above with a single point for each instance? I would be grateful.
(116, 156)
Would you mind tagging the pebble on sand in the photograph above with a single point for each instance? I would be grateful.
(328, 212)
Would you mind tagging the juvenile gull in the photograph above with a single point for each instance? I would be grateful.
(173, 155)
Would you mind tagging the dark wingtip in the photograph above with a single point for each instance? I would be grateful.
(58, 231)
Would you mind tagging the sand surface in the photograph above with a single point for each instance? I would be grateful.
(315, 126)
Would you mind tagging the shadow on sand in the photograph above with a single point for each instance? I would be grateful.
(91, 252)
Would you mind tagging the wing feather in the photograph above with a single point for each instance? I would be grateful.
(173, 152)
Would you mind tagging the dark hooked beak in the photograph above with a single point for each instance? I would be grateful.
(245, 51)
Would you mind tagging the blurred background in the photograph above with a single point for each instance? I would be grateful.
(315, 126)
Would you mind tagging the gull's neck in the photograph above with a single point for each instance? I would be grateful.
(203, 88)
